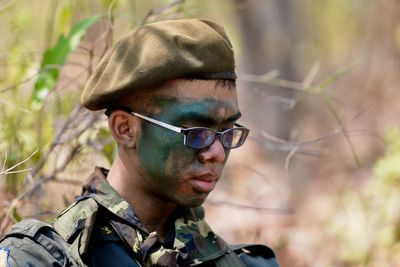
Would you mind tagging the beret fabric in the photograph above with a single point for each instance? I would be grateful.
(157, 52)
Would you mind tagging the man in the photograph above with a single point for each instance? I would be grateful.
(168, 89)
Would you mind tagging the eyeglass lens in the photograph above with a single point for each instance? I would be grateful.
(203, 137)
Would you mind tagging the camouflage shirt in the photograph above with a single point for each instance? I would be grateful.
(189, 243)
(101, 229)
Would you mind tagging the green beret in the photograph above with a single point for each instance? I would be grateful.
(157, 52)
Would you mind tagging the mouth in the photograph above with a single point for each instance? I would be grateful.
(204, 183)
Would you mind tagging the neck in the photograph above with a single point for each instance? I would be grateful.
(154, 213)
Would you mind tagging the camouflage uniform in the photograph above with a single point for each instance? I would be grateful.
(101, 229)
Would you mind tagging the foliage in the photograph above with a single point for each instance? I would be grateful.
(365, 232)
(383, 194)
(39, 91)
(54, 58)
(49, 47)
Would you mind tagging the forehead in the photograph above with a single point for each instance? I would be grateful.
(201, 95)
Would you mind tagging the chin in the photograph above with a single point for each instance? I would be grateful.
(193, 202)
(194, 205)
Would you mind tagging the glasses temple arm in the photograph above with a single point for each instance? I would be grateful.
(160, 123)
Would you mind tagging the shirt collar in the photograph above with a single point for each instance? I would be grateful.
(193, 239)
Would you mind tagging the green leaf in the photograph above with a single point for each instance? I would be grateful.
(109, 151)
(79, 29)
(64, 17)
(54, 58)
(17, 217)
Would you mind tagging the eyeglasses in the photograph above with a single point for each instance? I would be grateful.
(202, 137)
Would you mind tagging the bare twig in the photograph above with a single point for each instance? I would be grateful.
(283, 145)
(285, 211)
(251, 169)
(66, 181)
(289, 157)
(293, 147)
(320, 90)
(32, 188)
(9, 170)
(6, 221)
(18, 171)
(75, 125)
(4, 162)
(44, 179)
(161, 10)
(111, 10)
(74, 80)
(20, 83)
(10, 104)
(311, 75)
(55, 141)
(276, 190)
(271, 78)
(47, 67)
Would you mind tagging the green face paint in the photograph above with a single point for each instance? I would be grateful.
(168, 164)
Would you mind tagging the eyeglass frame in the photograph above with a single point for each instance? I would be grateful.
(184, 131)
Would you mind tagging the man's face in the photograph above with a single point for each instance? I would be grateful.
(172, 171)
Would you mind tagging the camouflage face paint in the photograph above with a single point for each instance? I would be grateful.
(168, 163)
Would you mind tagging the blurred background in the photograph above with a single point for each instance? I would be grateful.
(318, 181)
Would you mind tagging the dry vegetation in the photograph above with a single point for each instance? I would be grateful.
(318, 80)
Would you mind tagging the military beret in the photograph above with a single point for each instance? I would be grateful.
(157, 52)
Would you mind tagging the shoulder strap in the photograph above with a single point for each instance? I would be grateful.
(75, 225)
(255, 255)
(28, 227)
(229, 259)
(255, 249)
(35, 233)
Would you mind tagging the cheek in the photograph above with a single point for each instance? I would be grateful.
(178, 161)
(162, 152)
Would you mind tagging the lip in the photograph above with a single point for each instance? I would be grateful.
(204, 183)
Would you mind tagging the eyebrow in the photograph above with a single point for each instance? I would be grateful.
(206, 119)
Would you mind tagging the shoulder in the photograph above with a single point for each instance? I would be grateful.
(85, 226)
(33, 243)
(81, 214)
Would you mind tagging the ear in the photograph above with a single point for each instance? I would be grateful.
(124, 128)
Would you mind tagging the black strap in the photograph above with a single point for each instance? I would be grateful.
(253, 250)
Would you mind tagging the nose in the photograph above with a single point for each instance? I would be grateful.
(213, 154)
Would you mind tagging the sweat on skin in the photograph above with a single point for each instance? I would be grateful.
(154, 164)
